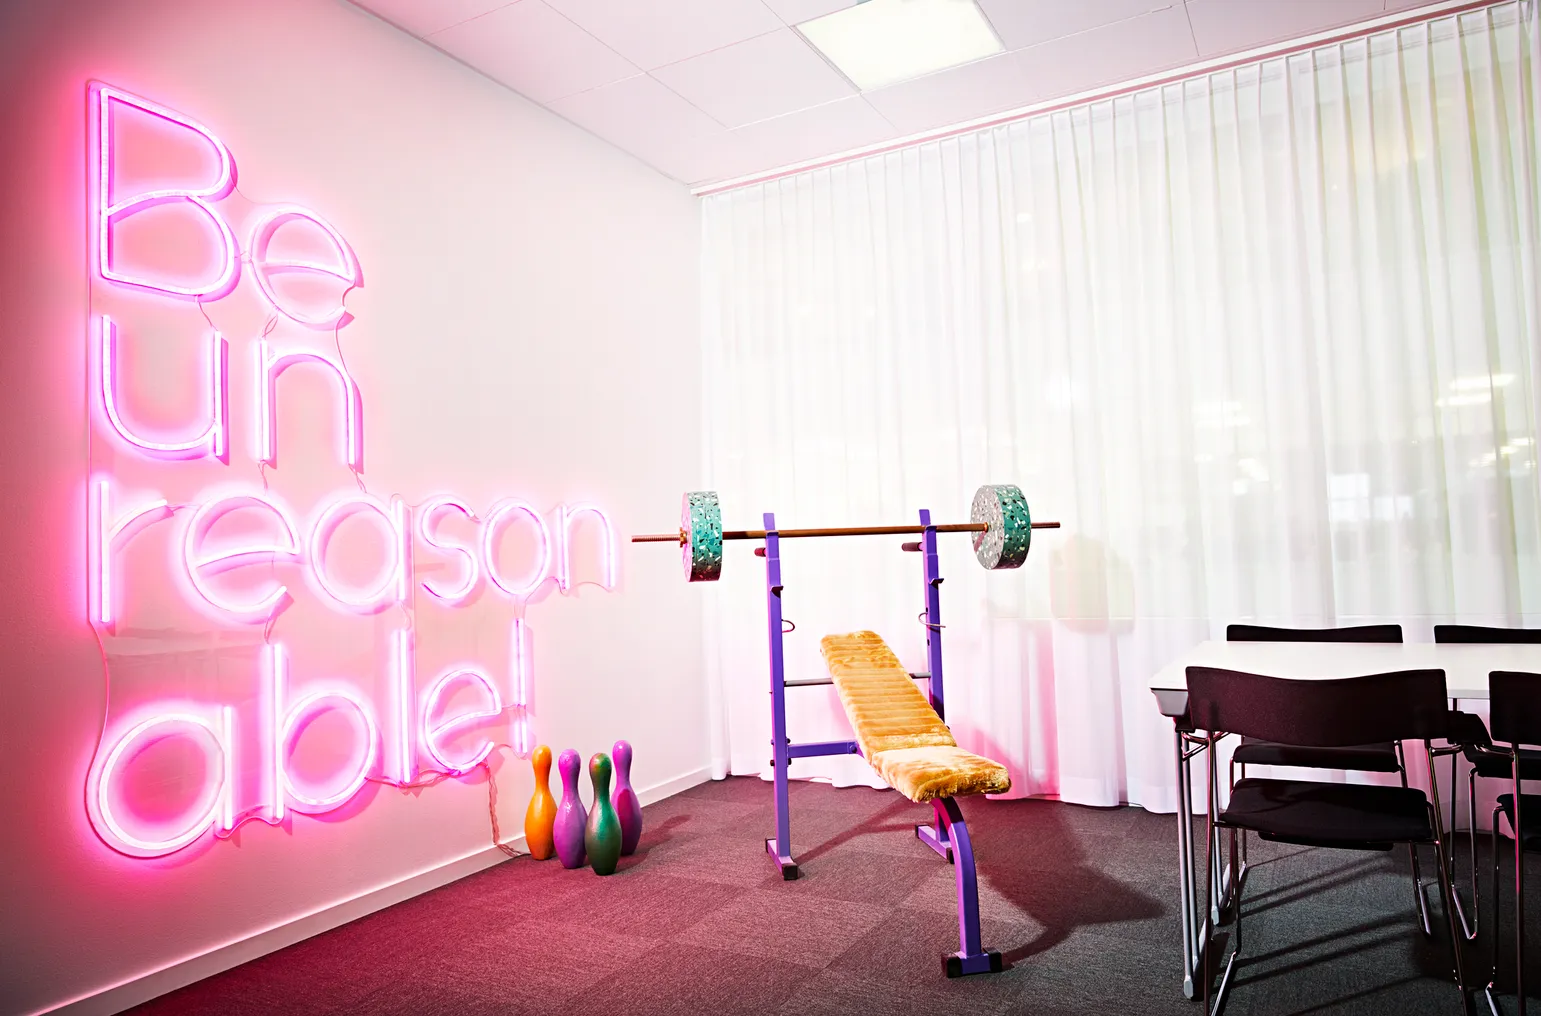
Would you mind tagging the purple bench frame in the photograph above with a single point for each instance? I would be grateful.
(948, 835)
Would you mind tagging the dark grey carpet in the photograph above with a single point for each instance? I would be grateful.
(1082, 902)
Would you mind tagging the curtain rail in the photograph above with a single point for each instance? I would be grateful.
(1385, 23)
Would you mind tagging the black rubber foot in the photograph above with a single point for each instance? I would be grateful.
(952, 965)
(789, 872)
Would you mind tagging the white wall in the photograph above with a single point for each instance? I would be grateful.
(527, 327)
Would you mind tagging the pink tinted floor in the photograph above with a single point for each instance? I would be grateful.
(1081, 901)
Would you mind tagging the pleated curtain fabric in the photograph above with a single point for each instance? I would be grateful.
(1264, 341)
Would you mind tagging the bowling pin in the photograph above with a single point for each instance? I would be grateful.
(567, 832)
(602, 837)
(628, 810)
(540, 816)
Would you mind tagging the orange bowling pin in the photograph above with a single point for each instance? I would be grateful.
(540, 816)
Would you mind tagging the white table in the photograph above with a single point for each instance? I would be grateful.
(1466, 670)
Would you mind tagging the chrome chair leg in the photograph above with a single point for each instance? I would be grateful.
(1491, 991)
(1412, 852)
(1469, 927)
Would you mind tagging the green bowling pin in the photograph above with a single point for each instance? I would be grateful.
(602, 835)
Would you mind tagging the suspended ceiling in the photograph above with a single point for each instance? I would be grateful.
(710, 90)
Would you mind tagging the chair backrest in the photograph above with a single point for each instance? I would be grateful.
(1355, 633)
(1330, 713)
(1515, 700)
(1476, 633)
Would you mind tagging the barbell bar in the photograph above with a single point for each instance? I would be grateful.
(999, 519)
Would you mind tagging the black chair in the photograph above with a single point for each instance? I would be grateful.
(1384, 757)
(1486, 761)
(1336, 713)
(1515, 699)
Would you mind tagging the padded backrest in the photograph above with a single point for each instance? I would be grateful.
(1330, 713)
(885, 708)
(1476, 633)
(1355, 633)
(1515, 700)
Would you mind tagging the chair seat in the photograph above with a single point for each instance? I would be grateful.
(1368, 758)
(1532, 806)
(1494, 764)
(1330, 814)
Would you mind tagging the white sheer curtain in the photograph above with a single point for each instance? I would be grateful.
(1265, 341)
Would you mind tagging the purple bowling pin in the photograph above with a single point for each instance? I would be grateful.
(627, 808)
(571, 816)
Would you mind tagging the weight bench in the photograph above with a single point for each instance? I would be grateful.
(913, 750)
(901, 731)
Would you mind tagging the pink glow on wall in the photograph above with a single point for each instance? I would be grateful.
(270, 364)
(567, 516)
(214, 807)
(262, 530)
(392, 586)
(198, 564)
(107, 537)
(108, 211)
(213, 441)
(514, 506)
(431, 734)
(263, 268)
(448, 594)
(345, 700)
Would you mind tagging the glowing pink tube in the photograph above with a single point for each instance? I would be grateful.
(270, 365)
(312, 705)
(212, 442)
(213, 806)
(106, 537)
(404, 759)
(275, 682)
(517, 651)
(198, 565)
(451, 595)
(392, 586)
(564, 564)
(431, 734)
(263, 268)
(538, 574)
(108, 212)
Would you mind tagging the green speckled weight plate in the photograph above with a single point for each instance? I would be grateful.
(1002, 507)
(701, 519)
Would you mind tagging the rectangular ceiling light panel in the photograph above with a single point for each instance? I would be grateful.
(880, 42)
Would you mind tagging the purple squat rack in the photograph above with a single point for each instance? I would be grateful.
(949, 835)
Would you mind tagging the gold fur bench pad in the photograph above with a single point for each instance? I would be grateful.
(896, 728)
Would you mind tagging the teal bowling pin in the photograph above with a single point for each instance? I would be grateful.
(602, 835)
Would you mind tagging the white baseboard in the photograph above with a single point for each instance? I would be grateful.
(144, 987)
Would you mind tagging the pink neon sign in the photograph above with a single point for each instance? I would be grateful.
(235, 545)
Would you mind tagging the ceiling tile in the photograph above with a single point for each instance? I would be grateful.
(664, 31)
(1227, 26)
(1022, 23)
(534, 50)
(631, 110)
(1122, 51)
(641, 116)
(795, 12)
(954, 95)
(424, 17)
(706, 159)
(822, 130)
(757, 79)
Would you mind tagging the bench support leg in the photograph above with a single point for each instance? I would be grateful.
(970, 958)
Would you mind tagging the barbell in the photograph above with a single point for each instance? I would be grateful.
(999, 519)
